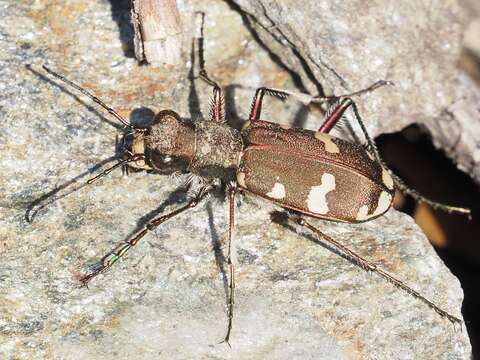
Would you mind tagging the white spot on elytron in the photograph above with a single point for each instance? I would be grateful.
(387, 179)
(241, 179)
(362, 213)
(317, 198)
(384, 201)
(286, 127)
(330, 146)
(277, 192)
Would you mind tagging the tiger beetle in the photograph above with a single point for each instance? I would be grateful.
(308, 173)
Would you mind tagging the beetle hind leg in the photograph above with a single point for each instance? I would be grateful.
(371, 267)
(419, 198)
(402, 186)
(230, 261)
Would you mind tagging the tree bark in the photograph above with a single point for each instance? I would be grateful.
(157, 31)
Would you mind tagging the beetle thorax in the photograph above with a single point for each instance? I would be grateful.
(217, 151)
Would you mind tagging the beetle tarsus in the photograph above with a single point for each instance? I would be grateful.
(419, 198)
(81, 279)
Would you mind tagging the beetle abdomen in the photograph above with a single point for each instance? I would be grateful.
(313, 173)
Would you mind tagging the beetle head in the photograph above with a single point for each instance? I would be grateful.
(169, 144)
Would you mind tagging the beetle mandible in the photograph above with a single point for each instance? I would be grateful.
(346, 182)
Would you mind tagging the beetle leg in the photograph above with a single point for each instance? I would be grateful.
(371, 267)
(372, 87)
(306, 99)
(82, 278)
(336, 111)
(258, 99)
(216, 111)
(334, 114)
(281, 94)
(419, 198)
(231, 298)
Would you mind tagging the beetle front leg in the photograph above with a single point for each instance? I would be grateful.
(231, 298)
(371, 267)
(82, 278)
(216, 111)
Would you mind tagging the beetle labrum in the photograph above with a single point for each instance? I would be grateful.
(347, 182)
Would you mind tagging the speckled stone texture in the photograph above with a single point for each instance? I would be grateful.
(295, 298)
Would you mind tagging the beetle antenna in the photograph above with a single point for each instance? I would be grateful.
(95, 99)
(51, 197)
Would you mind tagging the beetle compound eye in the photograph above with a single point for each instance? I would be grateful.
(166, 159)
(166, 163)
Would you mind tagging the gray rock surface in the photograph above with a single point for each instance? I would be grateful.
(457, 130)
(295, 299)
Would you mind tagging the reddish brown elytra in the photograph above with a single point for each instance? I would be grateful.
(338, 181)
(306, 172)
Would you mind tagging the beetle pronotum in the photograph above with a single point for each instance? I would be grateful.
(346, 182)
